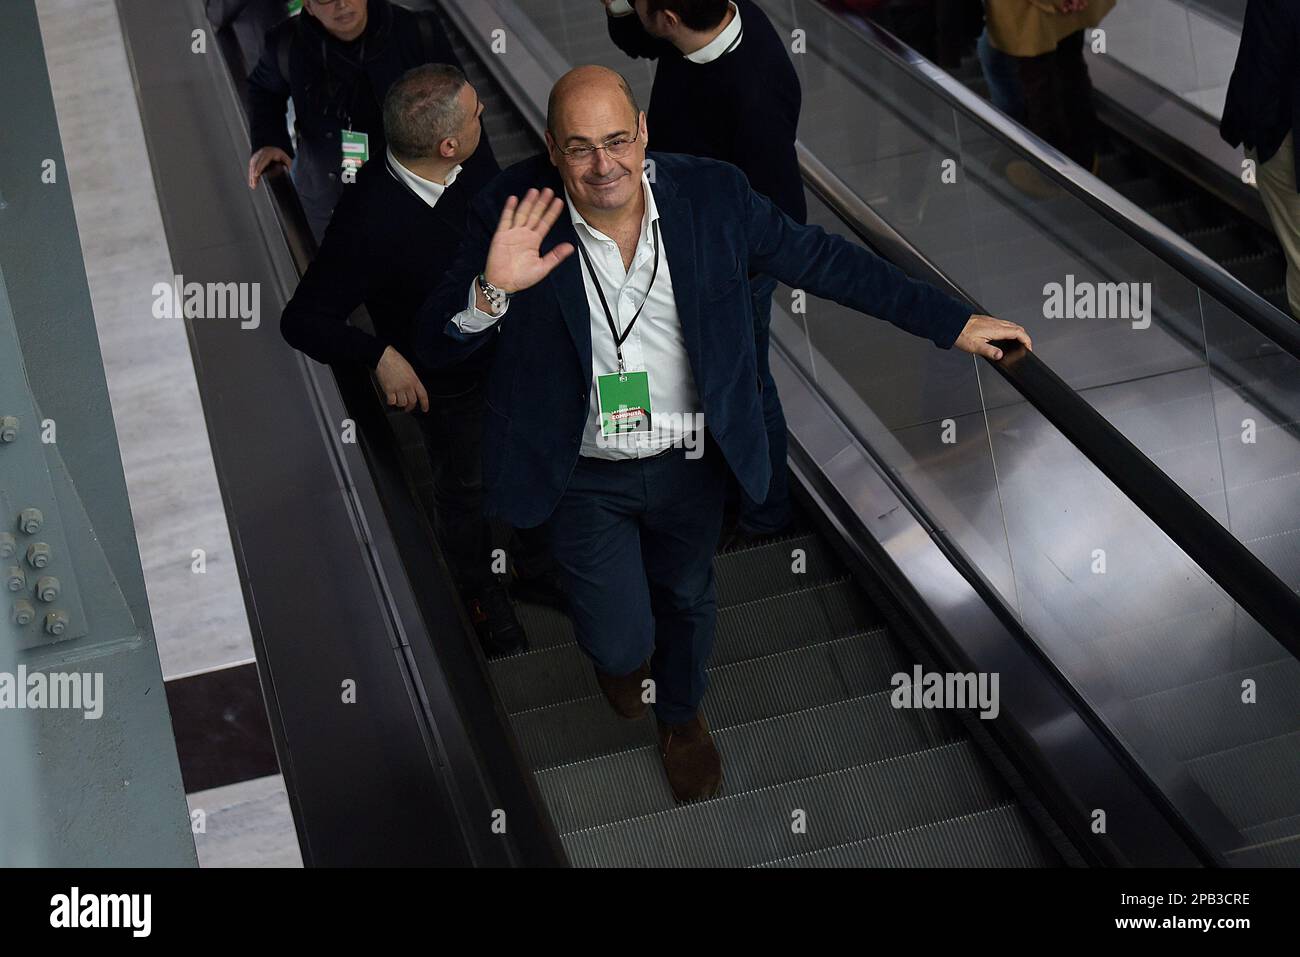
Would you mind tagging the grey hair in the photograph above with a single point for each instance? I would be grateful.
(422, 109)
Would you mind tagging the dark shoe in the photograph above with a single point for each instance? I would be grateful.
(544, 589)
(624, 693)
(493, 615)
(691, 759)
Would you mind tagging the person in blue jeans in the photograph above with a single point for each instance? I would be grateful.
(1002, 73)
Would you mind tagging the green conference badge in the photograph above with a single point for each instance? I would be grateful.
(624, 402)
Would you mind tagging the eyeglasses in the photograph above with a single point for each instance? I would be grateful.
(582, 155)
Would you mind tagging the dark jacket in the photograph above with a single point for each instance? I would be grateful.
(1263, 102)
(742, 107)
(333, 83)
(716, 231)
(387, 249)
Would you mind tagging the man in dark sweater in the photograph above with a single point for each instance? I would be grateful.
(393, 235)
(725, 89)
(337, 61)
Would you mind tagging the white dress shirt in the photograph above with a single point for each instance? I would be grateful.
(724, 42)
(654, 345)
(426, 189)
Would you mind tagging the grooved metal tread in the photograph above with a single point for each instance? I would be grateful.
(758, 688)
(1210, 715)
(559, 672)
(1254, 783)
(756, 754)
(1277, 841)
(999, 837)
(836, 808)
(769, 569)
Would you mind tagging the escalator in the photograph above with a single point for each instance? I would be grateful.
(903, 554)
(799, 705)
(1242, 245)
(779, 678)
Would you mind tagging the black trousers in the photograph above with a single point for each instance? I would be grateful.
(1058, 99)
(453, 436)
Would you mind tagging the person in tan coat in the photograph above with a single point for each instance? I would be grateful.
(1046, 37)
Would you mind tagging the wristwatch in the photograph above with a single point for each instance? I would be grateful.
(496, 297)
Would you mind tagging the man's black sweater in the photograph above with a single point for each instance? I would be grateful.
(386, 248)
(742, 107)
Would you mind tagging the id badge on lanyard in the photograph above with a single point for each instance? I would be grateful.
(623, 397)
(356, 149)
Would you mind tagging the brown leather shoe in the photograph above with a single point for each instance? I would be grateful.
(624, 693)
(691, 759)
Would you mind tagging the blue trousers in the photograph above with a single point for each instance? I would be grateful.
(1002, 73)
(634, 541)
(773, 513)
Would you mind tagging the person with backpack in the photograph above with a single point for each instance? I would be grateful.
(336, 60)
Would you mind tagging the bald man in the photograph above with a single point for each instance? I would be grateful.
(624, 389)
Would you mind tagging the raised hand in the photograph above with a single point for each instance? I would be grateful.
(513, 263)
(980, 332)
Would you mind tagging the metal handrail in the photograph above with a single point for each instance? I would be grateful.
(434, 635)
(1251, 583)
(1116, 208)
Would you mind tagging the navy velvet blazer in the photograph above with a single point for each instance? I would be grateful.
(716, 232)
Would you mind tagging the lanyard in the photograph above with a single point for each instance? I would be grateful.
(609, 317)
(356, 80)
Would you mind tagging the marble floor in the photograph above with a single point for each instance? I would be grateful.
(199, 619)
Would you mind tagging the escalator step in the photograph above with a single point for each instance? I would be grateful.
(577, 731)
(1277, 842)
(999, 837)
(809, 677)
(1182, 649)
(1147, 192)
(755, 755)
(1224, 243)
(1120, 167)
(1210, 716)
(1254, 783)
(839, 808)
(1183, 215)
(1257, 272)
(551, 673)
(770, 569)
(805, 678)
(511, 139)
(546, 627)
